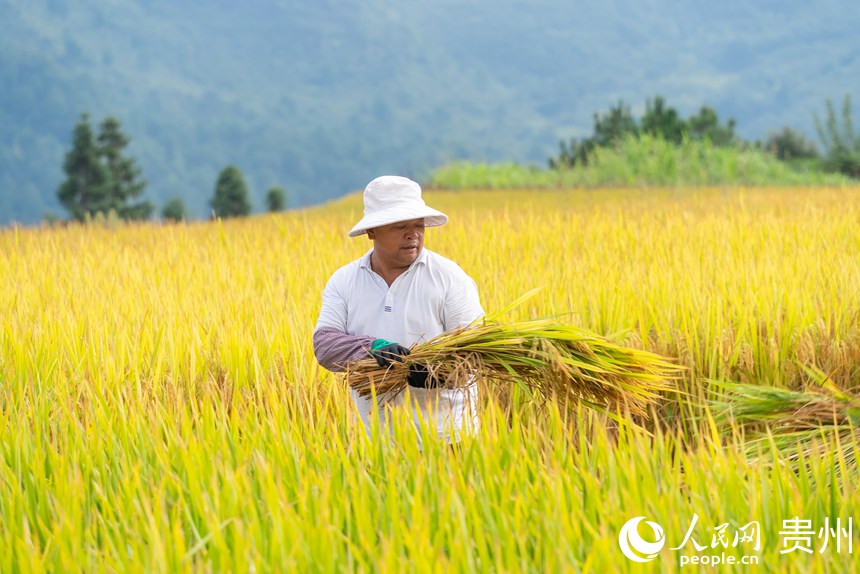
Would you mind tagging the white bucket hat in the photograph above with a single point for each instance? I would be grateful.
(391, 198)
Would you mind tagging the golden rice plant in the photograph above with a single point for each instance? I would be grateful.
(548, 358)
(161, 409)
(795, 423)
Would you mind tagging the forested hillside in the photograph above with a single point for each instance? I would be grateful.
(321, 97)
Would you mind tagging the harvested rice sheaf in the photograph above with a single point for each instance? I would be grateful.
(551, 359)
(793, 424)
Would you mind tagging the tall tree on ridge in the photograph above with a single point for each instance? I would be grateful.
(124, 177)
(99, 178)
(85, 190)
(231, 194)
(276, 199)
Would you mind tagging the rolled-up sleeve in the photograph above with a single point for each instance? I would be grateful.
(334, 348)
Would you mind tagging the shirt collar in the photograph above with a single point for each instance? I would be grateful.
(422, 259)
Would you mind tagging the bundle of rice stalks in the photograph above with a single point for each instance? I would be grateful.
(549, 359)
(795, 424)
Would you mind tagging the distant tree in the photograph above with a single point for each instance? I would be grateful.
(174, 210)
(566, 157)
(99, 178)
(613, 125)
(231, 194)
(276, 199)
(85, 189)
(659, 120)
(706, 125)
(124, 177)
(51, 219)
(789, 144)
(608, 129)
(662, 121)
(841, 144)
(575, 154)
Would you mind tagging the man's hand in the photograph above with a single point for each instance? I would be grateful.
(421, 378)
(385, 352)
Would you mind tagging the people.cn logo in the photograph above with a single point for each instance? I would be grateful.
(632, 544)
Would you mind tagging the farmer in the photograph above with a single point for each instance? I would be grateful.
(396, 295)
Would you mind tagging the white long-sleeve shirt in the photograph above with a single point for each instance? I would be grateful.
(432, 296)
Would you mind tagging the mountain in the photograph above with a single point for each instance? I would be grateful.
(321, 97)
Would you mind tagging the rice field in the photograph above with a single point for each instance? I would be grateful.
(161, 409)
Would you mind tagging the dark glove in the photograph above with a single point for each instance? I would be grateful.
(385, 352)
(421, 378)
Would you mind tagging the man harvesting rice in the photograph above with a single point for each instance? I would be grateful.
(396, 295)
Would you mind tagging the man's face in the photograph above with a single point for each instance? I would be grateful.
(398, 244)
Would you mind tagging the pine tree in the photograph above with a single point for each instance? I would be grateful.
(125, 182)
(99, 178)
(85, 190)
(231, 194)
